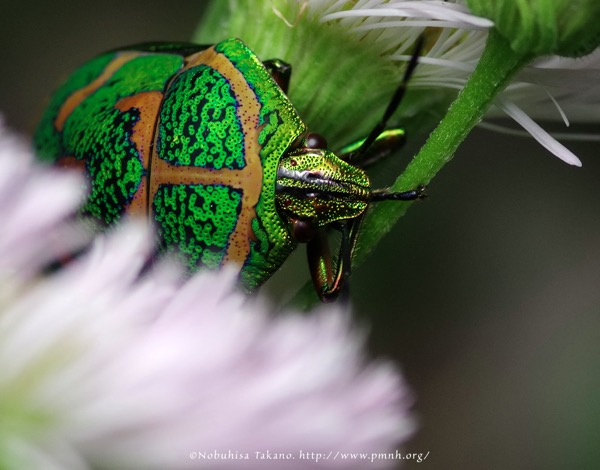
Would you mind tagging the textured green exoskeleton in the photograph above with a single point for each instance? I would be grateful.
(204, 141)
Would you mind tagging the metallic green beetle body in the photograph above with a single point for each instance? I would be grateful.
(204, 142)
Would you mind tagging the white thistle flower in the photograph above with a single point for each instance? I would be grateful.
(550, 89)
(102, 367)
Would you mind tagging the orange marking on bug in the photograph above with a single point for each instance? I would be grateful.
(248, 112)
(78, 96)
(248, 179)
(148, 104)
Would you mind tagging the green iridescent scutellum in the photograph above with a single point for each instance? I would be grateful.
(199, 123)
(217, 207)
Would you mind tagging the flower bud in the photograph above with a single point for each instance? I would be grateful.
(545, 27)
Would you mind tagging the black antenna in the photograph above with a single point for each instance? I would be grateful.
(394, 102)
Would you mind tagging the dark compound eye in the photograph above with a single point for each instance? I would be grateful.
(315, 141)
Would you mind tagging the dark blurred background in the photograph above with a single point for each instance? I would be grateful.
(487, 294)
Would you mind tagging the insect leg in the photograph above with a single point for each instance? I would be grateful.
(280, 71)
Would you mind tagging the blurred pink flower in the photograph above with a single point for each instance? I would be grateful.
(103, 366)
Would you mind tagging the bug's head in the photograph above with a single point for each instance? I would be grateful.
(315, 187)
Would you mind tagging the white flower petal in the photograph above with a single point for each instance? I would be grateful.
(538, 133)
(551, 88)
(437, 14)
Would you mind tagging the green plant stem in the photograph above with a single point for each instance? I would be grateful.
(497, 65)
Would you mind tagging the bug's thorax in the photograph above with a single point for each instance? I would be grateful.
(316, 186)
